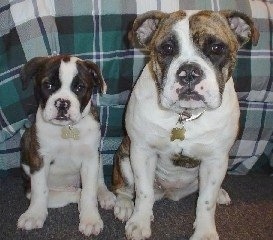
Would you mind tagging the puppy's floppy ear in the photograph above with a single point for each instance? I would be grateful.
(144, 27)
(242, 26)
(30, 70)
(96, 75)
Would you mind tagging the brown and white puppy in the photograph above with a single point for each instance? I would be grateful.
(182, 116)
(60, 152)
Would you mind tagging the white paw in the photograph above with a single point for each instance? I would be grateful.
(106, 199)
(212, 235)
(31, 219)
(223, 197)
(123, 208)
(138, 227)
(90, 224)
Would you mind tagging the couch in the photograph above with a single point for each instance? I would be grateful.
(97, 30)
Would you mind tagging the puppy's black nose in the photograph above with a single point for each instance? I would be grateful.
(190, 73)
(62, 104)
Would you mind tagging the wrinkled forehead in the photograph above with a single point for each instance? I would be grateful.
(209, 23)
(196, 25)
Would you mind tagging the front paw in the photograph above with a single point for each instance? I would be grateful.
(123, 208)
(31, 219)
(138, 227)
(90, 224)
(106, 199)
(205, 235)
(223, 197)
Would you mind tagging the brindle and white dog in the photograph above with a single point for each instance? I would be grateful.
(60, 152)
(182, 116)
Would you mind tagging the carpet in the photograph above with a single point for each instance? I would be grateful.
(249, 217)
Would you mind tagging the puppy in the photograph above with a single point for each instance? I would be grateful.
(60, 152)
(182, 116)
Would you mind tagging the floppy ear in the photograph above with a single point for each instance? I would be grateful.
(242, 26)
(30, 70)
(96, 75)
(144, 27)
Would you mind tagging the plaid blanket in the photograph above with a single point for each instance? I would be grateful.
(96, 30)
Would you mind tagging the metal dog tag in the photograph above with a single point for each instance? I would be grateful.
(70, 132)
(178, 133)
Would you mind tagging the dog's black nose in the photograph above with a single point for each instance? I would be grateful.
(190, 73)
(62, 104)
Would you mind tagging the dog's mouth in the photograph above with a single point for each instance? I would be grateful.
(61, 120)
(188, 94)
(62, 116)
(189, 100)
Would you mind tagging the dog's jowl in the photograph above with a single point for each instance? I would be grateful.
(182, 116)
(60, 156)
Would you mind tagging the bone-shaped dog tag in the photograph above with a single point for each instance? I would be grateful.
(178, 133)
(70, 132)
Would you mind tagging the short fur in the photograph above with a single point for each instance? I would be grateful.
(192, 57)
(60, 171)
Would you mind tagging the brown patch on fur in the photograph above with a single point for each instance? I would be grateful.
(163, 23)
(29, 154)
(30, 69)
(123, 151)
(40, 67)
(184, 161)
(163, 32)
(209, 23)
(206, 23)
(66, 58)
(92, 71)
(165, 28)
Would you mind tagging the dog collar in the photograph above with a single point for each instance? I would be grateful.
(70, 132)
(179, 131)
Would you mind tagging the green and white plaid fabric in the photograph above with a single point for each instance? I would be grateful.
(97, 30)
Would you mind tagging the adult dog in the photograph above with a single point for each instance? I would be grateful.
(182, 116)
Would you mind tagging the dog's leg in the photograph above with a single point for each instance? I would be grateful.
(106, 198)
(90, 220)
(123, 181)
(124, 204)
(223, 197)
(143, 165)
(159, 194)
(36, 213)
(212, 173)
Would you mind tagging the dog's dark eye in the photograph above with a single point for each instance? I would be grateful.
(167, 48)
(217, 48)
(79, 88)
(48, 85)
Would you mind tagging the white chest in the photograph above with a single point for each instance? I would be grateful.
(65, 156)
(208, 137)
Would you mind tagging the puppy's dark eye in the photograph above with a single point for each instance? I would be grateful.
(217, 48)
(79, 88)
(48, 85)
(167, 48)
